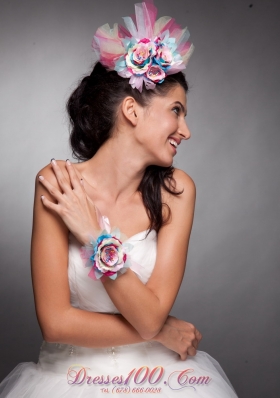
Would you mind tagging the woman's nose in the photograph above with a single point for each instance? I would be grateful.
(184, 130)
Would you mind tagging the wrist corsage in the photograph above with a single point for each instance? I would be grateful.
(107, 255)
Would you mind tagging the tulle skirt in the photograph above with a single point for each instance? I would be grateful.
(144, 369)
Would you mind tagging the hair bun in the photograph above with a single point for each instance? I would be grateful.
(98, 70)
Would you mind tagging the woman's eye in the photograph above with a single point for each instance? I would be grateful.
(176, 110)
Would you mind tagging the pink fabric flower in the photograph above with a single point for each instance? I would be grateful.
(139, 57)
(164, 55)
(141, 53)
(155, 73)
(107, 255)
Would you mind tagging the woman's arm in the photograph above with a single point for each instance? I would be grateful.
(59, 321)
(146, 307)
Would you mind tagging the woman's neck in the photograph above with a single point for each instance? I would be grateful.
(116, 170)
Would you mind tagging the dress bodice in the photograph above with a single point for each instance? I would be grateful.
(91, 295)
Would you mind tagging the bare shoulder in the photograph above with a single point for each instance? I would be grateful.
(183, 184)
(45, 219)
(48, 173)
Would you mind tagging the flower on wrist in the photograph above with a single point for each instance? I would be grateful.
(107, 255)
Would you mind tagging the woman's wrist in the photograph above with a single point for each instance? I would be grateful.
(86, 238)
(171, 320)
(161, 336)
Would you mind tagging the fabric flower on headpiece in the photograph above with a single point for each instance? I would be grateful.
(107, 255)
(146, 50)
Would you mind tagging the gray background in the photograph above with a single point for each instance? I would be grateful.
(231, 286)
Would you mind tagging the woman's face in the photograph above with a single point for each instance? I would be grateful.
(163, 126)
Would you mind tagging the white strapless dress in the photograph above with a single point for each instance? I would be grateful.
(144, 369)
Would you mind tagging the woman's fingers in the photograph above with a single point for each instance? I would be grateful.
(196, 338)
(182, 339)
(50, 205)
(75, 181)
(192, 351)
(187, 349)
(63, 183)
(51, 189)
(198, 335)
(186, 327)
(190, 341)
(185, 334)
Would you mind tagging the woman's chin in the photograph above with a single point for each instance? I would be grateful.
(162, 163)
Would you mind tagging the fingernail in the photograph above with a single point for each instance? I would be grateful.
(68, 161)
(41, 177)
(53, 161)
(42, 197)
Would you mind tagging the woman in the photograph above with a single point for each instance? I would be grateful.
(107, 328)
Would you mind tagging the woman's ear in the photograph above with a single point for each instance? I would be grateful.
(130, 110)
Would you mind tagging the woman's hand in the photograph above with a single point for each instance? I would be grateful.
(179, 336)
(74, 207)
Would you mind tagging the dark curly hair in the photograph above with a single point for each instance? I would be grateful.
(92, 109)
